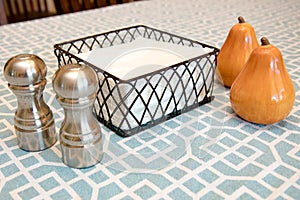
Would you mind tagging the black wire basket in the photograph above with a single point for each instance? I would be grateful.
(130, 106)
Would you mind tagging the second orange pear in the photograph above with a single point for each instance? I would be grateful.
(235, 51)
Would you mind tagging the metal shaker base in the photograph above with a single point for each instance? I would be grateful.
(82, 156)
(37, 140)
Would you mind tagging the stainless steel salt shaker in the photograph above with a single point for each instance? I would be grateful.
(33, 121)
(80, 134)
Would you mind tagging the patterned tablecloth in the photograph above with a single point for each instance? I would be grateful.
(208, 153)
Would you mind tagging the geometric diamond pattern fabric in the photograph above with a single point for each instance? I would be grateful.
(207, 153)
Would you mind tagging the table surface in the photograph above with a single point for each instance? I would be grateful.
(208, 153)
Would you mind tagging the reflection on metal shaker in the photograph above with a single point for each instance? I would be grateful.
(33, 121)
(80, 135)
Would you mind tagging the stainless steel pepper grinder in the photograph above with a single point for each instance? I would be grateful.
(80, 135)
(33, 120)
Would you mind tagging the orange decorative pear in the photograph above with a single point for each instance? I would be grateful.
(235, 51)
(263, 92)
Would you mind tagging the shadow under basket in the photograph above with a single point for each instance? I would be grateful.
(132, 105)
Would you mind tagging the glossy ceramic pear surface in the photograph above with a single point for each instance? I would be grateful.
(235, 51)
(263, 92)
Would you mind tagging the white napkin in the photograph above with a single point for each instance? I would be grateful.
(136, 58)
(140, 56)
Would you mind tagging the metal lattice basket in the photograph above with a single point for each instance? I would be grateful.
(130, 106)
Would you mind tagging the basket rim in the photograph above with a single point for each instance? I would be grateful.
(213, 51)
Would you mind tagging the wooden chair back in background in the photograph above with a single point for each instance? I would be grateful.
(21, 10)
(12, 11)
(69, 6)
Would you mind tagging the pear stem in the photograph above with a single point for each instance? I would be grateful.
(264, 41)
(241, 19)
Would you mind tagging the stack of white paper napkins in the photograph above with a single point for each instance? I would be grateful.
(139, 57)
